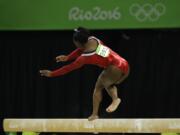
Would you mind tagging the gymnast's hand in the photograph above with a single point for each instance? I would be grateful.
(46, 73)
(61, 58)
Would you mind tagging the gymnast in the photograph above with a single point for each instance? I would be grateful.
(90, 50)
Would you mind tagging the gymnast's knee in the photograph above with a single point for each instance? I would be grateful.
(108, 86)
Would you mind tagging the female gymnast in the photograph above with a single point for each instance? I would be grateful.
(91, 50)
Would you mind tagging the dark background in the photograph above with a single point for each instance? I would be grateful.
(152, 89)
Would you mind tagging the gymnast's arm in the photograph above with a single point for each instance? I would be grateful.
(79, 62)
(73, 55)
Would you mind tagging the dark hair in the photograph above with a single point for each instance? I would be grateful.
(81, 35)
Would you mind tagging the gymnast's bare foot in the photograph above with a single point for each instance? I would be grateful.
(93, 117)
(114, 105)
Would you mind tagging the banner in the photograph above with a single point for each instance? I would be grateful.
(94, 14)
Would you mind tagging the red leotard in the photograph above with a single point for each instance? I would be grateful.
(94, 59)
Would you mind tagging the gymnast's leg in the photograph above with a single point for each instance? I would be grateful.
(97, 98)
(115, 76)
(112, 91)
(107, 79)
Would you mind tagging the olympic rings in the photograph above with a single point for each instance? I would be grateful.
(147, 11)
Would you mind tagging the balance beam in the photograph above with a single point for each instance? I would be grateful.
(96, 126)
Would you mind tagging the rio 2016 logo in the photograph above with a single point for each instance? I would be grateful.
(147, 12)
(95, 14)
